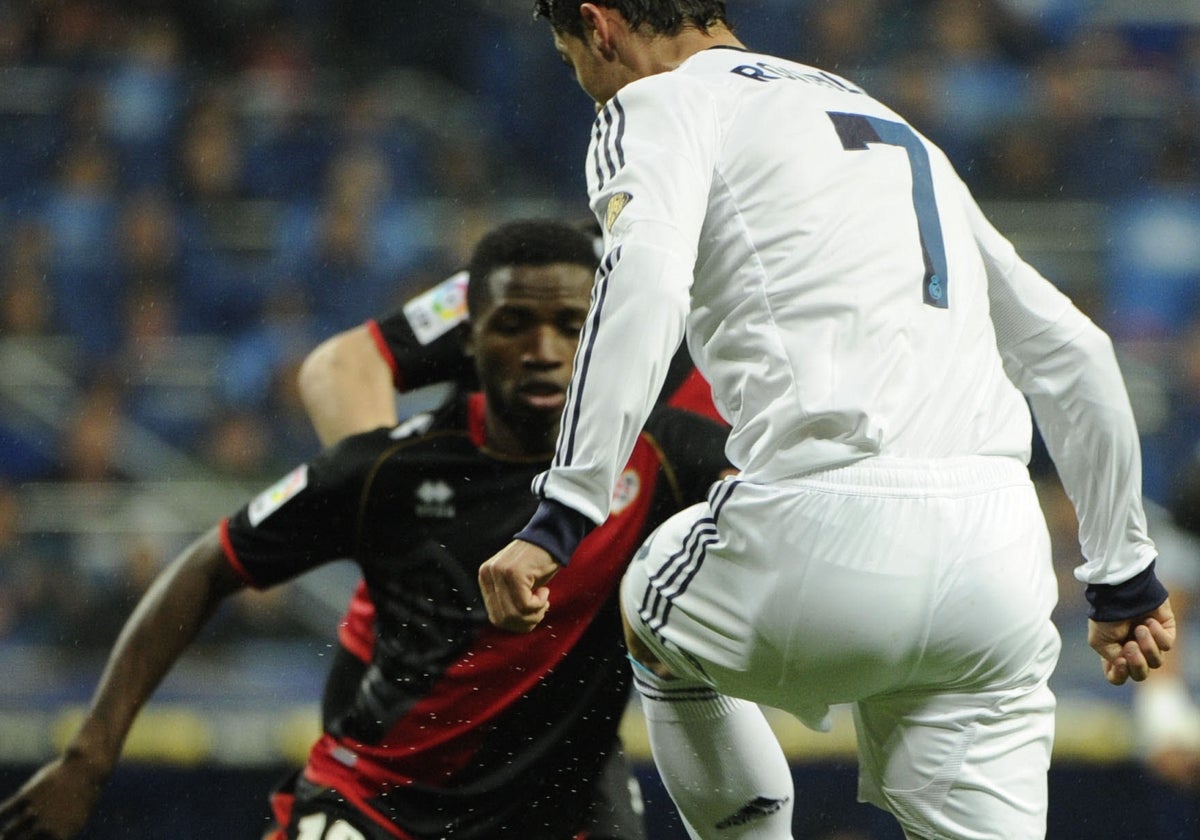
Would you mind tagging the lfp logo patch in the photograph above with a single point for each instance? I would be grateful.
(278, 494)
(437, 311)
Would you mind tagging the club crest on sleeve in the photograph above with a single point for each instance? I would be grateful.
(615, 205)
(629, 484)
(277, 495)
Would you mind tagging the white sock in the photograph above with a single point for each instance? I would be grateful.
(718, 759)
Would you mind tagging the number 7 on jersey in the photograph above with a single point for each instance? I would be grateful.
(856, 131)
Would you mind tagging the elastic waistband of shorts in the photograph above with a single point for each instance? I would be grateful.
(885, 476)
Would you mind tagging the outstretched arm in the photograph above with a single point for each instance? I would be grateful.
(56, 802)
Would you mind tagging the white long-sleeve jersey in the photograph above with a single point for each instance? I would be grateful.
(841, 291)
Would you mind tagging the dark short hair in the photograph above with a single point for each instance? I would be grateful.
(662, 17)
(525, 242)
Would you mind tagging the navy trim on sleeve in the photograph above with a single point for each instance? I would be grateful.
(556, 528)
(1137, 596)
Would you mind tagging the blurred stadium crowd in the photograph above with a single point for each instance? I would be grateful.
(192, 195)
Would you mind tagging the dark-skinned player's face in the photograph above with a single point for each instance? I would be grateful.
(524, 344)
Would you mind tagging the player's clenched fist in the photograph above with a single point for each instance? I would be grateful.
(1131, 648)
(513, 582)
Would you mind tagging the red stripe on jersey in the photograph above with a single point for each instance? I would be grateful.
(356, 631)
(281, 808)
(441, 733)
(231, 554)
(477, 419)
(385, 353)
(694, 394)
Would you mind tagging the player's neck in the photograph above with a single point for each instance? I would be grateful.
(525, 442)
(662, 54)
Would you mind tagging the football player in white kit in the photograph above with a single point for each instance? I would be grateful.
(872, 341)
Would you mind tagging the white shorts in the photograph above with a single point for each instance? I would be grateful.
(919, 591)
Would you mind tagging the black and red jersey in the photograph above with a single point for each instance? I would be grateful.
(421, 348)
(456, 728)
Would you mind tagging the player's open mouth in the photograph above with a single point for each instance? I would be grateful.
(542, 395)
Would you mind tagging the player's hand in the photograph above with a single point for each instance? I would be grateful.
(513, 582)
(53, 805)
(1129, 649)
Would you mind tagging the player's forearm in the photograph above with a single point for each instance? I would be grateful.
(641, 290)
(164, 623)
(347, 387)
(1085, 417)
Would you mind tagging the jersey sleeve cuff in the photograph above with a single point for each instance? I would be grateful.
(231, 555)
(556, 528)
(385, 352)
(1137, 596)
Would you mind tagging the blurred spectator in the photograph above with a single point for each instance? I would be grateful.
(34, 588)
(79, 213)
(26, 302)
(143, 90)
(210, 154)
(345, 253)
(259, 390)
(26, 307)
(977, 82)
(17, 24)
(91, 448)
(237, 445)
(170, 385)
(1154, 257)
(147, 242)
(74, 34)
(847, 38)
(1057, 20)
(216, 294)
(371, 33)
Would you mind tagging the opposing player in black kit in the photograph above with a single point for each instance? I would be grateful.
(449, 728)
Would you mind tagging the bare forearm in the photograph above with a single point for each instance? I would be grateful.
(164, 623)
(347, 387)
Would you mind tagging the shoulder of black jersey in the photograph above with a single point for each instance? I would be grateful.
(691, 450)
(665, 418)
(449, 415)
(353, 457)
(678, 370)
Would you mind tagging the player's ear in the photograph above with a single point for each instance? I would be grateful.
(598, 26)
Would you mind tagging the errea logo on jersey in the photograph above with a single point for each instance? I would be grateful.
(434, 500)
(275, 496)
(629, 485)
